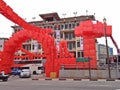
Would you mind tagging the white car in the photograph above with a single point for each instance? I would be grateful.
(25, 73)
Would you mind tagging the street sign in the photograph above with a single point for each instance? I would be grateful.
(82, 59)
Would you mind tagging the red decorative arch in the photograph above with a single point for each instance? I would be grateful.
(15, 42)
(90, 30)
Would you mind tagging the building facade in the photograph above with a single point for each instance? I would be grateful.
(2, 41)
(63, 30)
(102, 54)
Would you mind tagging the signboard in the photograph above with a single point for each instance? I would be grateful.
(35, 46)
(82, 59)
(81, 43)
(58, 39)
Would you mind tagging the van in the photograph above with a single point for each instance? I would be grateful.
(25, 73)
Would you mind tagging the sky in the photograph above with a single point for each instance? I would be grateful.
(27, 9)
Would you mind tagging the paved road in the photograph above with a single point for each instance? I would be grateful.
(29, 84)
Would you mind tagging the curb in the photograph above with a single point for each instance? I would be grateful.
(93, 79)
(74, 79)
(35, 79)
(48, 78)
(77, 79)
(62, 78)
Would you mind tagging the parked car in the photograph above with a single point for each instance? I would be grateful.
(4, 77)
(15, 71)
(25, 73)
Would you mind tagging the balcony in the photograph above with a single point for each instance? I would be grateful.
(67, 30)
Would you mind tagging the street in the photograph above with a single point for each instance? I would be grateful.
(16, 83)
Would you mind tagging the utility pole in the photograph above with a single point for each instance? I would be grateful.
(108, 62)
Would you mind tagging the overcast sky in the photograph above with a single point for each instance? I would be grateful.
(32, 8)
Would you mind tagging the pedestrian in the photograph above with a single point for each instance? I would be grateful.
(3, 72)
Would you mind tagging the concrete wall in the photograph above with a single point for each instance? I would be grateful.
(85, 74)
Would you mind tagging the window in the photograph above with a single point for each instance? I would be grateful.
(35, 57)
(25, 68)
(70, 46)
(71, 35)
(58, 27)
(29, 47)
(54, 35)
(77, 24)
(28, 41)
(73, 25)
(23, 46)
(66, 26)
(62, 26)
(49, 19)
(39, 46)
(66, 35)
(78, 54)
(74, 45)
(44, 26)
(82, 54)
(78, 44)
(48, 26)
(41, 68)
(61, 35)
(55, 27)
(28, 62)
(32, 47)
(69, 26)
(51, 26)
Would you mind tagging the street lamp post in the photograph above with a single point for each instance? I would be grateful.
(75, 13)
(109, 73)
(64, 14)
(33, 18)
(87, 12)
